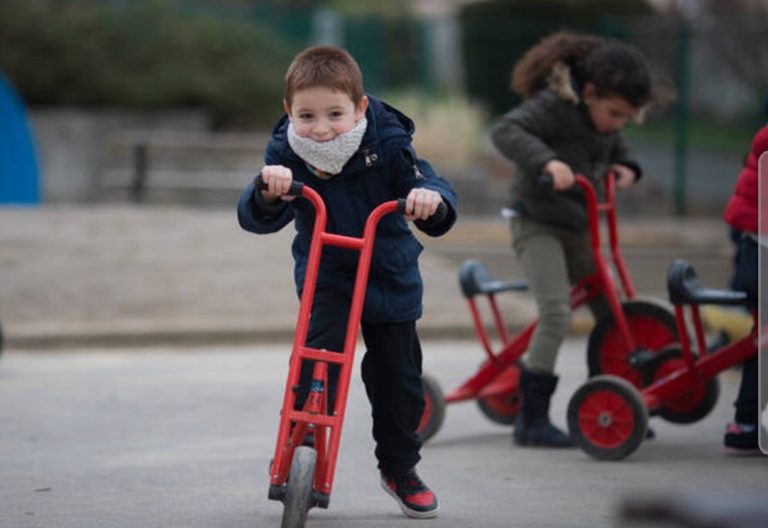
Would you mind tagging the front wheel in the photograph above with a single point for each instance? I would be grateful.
(607, 418)
(434, 408)
(652, 327)
(298, 496)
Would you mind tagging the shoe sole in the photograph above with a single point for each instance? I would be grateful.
(415, 514)
(735, 451)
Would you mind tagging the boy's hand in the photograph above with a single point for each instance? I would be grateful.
(624, 175)
(278, 179)
(562, 175)
(420, 204)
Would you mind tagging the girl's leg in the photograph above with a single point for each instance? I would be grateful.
(540, 252)
(581, 264)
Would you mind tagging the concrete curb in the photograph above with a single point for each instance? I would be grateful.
(200, 334)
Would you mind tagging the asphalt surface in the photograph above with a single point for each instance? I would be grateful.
(146, 348)
(165, 437)
(113, 275)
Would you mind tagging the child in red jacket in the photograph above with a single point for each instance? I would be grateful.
(741, 214)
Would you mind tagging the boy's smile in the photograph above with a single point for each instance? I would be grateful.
(321, 113)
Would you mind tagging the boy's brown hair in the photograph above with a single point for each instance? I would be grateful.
(327, 67)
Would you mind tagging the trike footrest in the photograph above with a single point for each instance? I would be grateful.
(321, 500)
(277, 493)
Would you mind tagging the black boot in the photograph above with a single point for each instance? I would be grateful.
(532, 425)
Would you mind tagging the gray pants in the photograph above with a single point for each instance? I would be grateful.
(552, 259)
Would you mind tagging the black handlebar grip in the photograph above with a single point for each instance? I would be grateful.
(295, 189)
(545, 182)
(440, 213)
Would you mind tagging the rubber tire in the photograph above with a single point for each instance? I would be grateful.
(618, 400)
(434, 410)
(490, 408)
(298, 496)
(706, 395)
(652, 326)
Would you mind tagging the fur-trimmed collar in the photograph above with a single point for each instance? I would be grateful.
(560, 81)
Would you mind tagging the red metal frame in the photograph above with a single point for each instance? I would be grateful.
(487, 380)
(314, 418)
(696, 370)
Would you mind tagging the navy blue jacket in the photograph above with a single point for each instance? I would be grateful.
(384, 168)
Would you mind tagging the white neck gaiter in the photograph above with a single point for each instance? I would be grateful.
(328, 156)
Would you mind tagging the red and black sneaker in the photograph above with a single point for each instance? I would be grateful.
(741, 439)
(413, 496)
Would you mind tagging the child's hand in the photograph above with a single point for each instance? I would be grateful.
(279, 179)
(624, 176)
(420, 204)
(562, 175)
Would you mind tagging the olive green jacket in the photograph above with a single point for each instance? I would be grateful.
(547, 126)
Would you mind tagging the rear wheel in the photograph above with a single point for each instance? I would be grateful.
(652, 327)
(607, 418)
(298, 496)
(434, 408)
(503, 407)
(694, 403)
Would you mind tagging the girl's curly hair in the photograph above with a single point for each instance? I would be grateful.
(614, 68)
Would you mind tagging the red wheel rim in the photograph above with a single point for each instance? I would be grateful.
(504, 399)
(425, 416)
(647, 331)
(606, 419)
(506, 404)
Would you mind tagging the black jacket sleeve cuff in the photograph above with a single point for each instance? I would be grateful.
(634, 167)
(266, 209)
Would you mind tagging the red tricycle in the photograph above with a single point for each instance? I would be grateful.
(624, 342)
(301, 472)
(608, 417)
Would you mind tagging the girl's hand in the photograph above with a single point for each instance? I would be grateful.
(278, 179)
(624, 176)
(562, 175)
(420, 204)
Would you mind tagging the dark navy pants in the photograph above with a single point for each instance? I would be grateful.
(746, 279)
(391, 371)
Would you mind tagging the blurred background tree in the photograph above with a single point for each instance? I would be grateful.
(149, 54)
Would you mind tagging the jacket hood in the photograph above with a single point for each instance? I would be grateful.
(566, 87)
(384, 123)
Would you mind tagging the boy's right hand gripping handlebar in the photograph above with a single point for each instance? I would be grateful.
(295, 190)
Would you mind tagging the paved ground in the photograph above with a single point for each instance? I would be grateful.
(117, 274)
(153, 437)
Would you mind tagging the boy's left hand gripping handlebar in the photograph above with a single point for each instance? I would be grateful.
(439, 216)
(295, 190)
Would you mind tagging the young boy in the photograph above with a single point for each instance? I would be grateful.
(356, 152)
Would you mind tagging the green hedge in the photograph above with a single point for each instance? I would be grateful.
(144, 55)
(497, 33)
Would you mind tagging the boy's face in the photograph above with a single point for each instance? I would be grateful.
(321, 113)
(608, 114)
